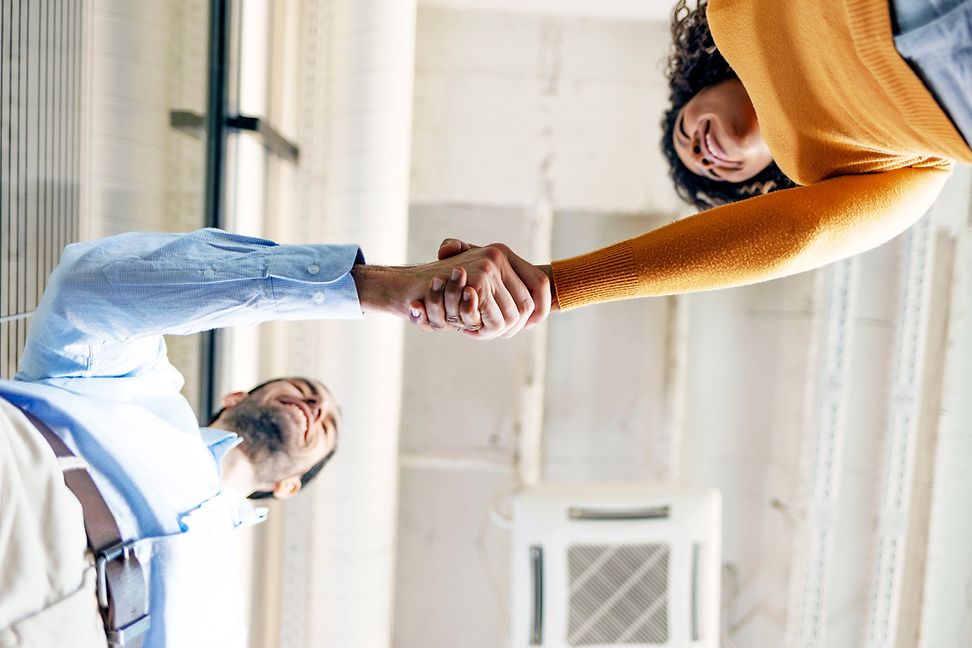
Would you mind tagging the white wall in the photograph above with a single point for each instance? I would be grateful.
(511, 106)
(146, 59)
(516, 115)
(516, 112)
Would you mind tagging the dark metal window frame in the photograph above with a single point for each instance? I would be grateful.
(219, 122)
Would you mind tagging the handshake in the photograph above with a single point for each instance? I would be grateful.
(483, 292)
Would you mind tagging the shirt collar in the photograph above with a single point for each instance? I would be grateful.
(219, 443)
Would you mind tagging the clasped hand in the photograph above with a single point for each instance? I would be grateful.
(483, 292)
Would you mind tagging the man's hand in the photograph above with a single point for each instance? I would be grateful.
(497, 299)
(447, 304)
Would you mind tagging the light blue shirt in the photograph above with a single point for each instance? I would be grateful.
(95, 370)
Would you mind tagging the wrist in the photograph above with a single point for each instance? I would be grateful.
(548, 270)
(375, 286)
(387, 289)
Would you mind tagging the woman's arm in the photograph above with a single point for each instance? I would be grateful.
(755, 240)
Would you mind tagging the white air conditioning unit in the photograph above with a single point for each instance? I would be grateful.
(616, 566)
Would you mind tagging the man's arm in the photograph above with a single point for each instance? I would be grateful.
(109, 301)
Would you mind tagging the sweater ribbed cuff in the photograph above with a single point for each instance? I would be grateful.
(604, 275)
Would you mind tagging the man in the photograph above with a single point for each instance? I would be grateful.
(96, 395)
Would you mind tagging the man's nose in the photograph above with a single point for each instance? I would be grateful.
(315, 404)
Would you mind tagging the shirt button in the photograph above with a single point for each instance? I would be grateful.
(209, 272)
(318, 298)
(313, 268)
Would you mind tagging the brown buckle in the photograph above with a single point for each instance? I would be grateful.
(102, 558)
(123, 551)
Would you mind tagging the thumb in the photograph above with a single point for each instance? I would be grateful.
(450, 247)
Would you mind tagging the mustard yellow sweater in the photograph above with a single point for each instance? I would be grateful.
(845, 118)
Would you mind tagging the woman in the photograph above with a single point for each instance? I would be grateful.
(814, 130)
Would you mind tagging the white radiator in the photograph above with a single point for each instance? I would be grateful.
(616, 566)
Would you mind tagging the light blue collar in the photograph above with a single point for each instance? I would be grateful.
(219, 443)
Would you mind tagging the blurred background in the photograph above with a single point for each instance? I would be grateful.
(831, 410)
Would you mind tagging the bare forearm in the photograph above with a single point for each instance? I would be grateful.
(383, 289)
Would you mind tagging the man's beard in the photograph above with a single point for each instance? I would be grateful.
(262, 430)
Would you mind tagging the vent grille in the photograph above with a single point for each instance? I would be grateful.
(618, 594)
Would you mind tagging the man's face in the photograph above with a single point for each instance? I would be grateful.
(287, 426)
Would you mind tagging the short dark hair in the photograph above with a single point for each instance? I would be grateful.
(309, 474)
(694, 64)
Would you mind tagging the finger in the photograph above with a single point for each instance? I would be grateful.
(452, 296)
(537, 282)
(520, 295)
(509, 310)
(418, 316)
(434, 309)
(469, 310)
(450, 247)
(476, 335)
(542, 293)
(492, 317)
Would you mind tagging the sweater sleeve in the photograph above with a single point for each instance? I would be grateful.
(754, 240)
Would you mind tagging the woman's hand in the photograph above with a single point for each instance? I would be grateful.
(450, 303)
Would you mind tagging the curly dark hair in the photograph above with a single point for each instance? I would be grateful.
(693, 64)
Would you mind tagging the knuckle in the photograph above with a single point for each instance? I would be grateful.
(492, 254)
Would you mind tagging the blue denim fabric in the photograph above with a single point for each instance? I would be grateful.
(935, 37)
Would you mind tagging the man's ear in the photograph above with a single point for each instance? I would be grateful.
(286, 488)
(233, 399)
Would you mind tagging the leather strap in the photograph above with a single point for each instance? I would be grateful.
(121, 586)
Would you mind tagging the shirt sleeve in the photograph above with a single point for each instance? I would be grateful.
(109, 302)
(768, 237)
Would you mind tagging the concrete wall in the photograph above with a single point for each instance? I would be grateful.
(146, 59)
(516, 114)
(520, 112)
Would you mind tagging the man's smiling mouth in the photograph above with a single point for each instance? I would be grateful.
(305, 416)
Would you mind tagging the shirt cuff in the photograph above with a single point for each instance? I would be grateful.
(313, 294)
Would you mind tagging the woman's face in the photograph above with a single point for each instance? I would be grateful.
(717, 135)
